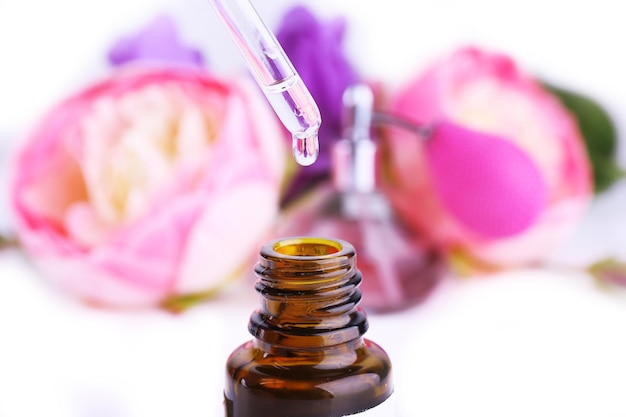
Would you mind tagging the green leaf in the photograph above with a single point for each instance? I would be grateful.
(599, 133)
(609, 272)
(181, 303)
(7, 242)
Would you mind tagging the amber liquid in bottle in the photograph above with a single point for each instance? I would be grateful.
(308, 357)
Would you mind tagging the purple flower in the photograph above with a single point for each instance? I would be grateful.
(315, 49)
(158, 41)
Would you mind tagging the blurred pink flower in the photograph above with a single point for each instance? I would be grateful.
(473, 93)
(151, 185)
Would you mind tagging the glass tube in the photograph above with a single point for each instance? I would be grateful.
(275, 74)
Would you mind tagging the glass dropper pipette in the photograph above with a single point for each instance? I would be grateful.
(276, 76)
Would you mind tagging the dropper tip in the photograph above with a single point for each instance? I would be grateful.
(305, 148)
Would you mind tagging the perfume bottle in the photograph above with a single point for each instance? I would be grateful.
(399, 269)
(308, 357)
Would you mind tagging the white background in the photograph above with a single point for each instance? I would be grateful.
(530, 342)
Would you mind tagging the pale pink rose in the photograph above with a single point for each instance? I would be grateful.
(479, 94)
(153, 184)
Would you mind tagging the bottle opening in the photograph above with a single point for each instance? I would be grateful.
(307, 247)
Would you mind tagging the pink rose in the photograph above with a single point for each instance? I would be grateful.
(151, 185)
(536, 200)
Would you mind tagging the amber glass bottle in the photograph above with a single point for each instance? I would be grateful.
(308, 357)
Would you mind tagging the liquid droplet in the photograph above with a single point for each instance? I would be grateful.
(305, 148)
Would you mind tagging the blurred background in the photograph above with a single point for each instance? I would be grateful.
(541, 342)
(50, 49)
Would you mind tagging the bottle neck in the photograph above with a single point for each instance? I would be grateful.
(309, 290)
